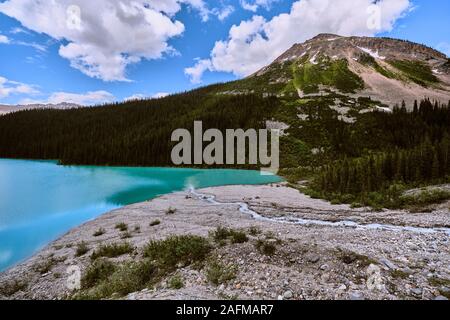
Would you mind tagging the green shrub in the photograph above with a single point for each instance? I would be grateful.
(254, 231)
(122, 226)
(265, 247)
(112, 250)
(218, 273)
(126, 235)
(426, 198)
(176, 282)
(82, 249)
(176, 250)
(222, 234)
(99, 271)
(99, 232)
(335, 202)
(127, 278)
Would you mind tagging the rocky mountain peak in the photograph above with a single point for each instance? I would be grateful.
(387, 70)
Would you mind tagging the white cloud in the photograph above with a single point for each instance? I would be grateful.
(140, 96)
(18, 30)
(195, 73)
(103, 37)
(160, 95)
(137, 96)
(256, 4)
(84, 99)
(224, 12)
(9, 87)
(4, 39)
(255, 43)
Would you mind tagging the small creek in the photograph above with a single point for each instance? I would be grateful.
(244, 208)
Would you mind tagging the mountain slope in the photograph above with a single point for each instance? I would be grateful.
(387, 70)
(5, 109)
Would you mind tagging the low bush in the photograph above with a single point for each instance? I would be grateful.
(222, 234)
(217, 273)
(176, 282)
(82, 249)
(99, 271)
(176, 250)
(112, 250)
(122, 226)
(99, 232)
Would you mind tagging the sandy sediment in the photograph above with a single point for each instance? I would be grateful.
(311, 261)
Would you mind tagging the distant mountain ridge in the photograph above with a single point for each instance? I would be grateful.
(5, 109)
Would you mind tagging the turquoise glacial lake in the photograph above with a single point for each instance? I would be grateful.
(40, 200)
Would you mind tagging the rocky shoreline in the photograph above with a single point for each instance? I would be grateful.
(305, 261)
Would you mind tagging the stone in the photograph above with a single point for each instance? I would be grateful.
(324, 267)
(388, 264)
(356, 296)
(441, 298)
(288, 295)
(342, 287)
(313, 258)
(417, 292)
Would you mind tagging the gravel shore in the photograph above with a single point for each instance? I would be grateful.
(310, 260)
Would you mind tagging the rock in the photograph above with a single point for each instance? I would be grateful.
(417, 292)
(388, 264)
(441, 298)
(342, 287)
(222, 287)
(313, 258)
(356, 296)
(288, 295)
(280, 298)
(324, 267)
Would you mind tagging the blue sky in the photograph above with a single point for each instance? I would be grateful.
(42, 61)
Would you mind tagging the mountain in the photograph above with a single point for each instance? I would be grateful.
(363, 119)
(387, 70)
(5, 109)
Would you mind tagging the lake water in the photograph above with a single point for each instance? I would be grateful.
(40, 201)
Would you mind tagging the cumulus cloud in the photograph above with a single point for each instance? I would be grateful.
(102, 37)
(84, 99)
(4, 39)
(255, 43)
(195, 73)
(256, 4)
(9, 87)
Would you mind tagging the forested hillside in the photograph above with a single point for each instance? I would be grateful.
(135, 133)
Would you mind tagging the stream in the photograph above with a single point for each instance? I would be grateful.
(244, 208)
